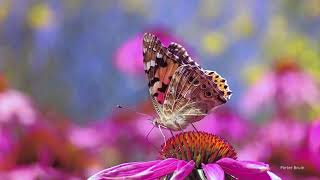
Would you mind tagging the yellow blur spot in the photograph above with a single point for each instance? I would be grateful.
(278, 29)
(242, 26)
(40, 16)
(310, 60)
(209, 8)
(4, 10)
(312, 8)
(214, 43)
(295, 47)
(134, 6)
(253, 73)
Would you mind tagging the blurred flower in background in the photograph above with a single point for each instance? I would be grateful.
(14, 105)
(65, 65)
(128, 58)
(286, 87)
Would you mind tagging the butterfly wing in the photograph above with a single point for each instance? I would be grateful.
(160, 63)
(177, 85)
(193, 92)
(182, 53)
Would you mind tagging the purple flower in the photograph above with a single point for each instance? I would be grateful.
(128, 58)
(195, 155)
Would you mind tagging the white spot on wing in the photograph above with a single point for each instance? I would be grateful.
(159, 55)
(152, 63)
(145, 66)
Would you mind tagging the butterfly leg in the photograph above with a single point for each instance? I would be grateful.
(179, 126)
(164, 137)
(194, 127)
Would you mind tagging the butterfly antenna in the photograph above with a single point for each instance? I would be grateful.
(134, 111)
(149, 132)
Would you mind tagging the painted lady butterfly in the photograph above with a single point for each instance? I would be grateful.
(181, 91)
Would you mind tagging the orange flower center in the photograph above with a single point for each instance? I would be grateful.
(200, 147)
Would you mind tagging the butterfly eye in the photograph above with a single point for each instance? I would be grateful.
(208, 94)
(203, 86)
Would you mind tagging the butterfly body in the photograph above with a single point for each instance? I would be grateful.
(181, 91)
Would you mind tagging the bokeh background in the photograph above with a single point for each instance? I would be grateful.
(65, 65)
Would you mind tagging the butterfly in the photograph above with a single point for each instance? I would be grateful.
(181, 91)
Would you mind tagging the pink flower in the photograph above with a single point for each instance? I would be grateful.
(314, 144)
(225, 123)
(191, 154)
(267, 138)
(14, 105)
(128, 58)
(284, 142)
(36, 171)
(85, 137)
(6, 145)
(287, 86)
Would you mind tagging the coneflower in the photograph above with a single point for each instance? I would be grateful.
(191, 155)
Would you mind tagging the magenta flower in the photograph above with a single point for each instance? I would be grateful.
(128, 58)
(88, 137)
(194, 155)
(226, 123)
(36, 171)
(285, 142)
(314, 135)
(6, 145)
(267, 139)
(14, 105)
(286, 86)
(314, 144)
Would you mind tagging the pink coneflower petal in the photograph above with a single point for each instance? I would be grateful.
(213, 171)
(142, 170)
(183, 170)
(242, 168)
